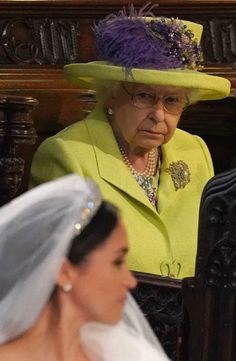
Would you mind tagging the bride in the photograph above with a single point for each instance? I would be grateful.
(64, 282)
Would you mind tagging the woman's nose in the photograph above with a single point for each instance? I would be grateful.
(158, 112)
(130, 280)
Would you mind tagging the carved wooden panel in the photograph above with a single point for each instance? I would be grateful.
(16, 127)
(39, 40)
(217, 231)
(219, 40)
(210, 297)
(160, 299)
(56, 38)
(56, 41)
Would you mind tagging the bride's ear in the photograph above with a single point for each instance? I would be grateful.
(66, 276)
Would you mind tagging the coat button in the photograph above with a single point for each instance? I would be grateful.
(165, 268)
(176, 268)
(170, 269)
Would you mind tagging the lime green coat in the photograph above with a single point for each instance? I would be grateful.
(162, 242)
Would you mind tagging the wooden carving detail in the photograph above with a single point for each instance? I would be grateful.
(56, 40)
(16, 127)
(160, 299)
(219, 41)
(217, 258)
(217, 224)
(221, 270)
(39, 41)
(210, 297)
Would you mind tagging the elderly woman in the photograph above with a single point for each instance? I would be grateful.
(129, 144)
(61, 249)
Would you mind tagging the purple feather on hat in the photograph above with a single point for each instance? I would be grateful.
(130, 41)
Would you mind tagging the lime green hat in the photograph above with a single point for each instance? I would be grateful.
(149, 50)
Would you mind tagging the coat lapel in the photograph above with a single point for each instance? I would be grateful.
(109, 160)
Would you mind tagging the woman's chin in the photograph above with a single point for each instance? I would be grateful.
(151, 144)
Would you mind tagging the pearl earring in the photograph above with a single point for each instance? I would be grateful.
(67, 287)
(110, 111)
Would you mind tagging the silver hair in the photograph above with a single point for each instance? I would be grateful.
(105, 89)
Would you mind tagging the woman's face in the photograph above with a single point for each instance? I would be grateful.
(140, 119)
(103, 280)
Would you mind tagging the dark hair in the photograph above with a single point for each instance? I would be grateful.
(95, 233)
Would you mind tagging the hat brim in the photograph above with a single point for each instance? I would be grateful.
(209, 87)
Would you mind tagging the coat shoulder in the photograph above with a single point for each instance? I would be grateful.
(186, 141)
(73, 132)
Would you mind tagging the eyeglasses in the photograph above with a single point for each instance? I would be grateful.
(172, 104)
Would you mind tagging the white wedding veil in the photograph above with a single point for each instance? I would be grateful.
(36, 230)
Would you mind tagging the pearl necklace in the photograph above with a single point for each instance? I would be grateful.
(148, 179)
(150, 168)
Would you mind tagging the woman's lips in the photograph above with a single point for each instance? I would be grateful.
(152, 132)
